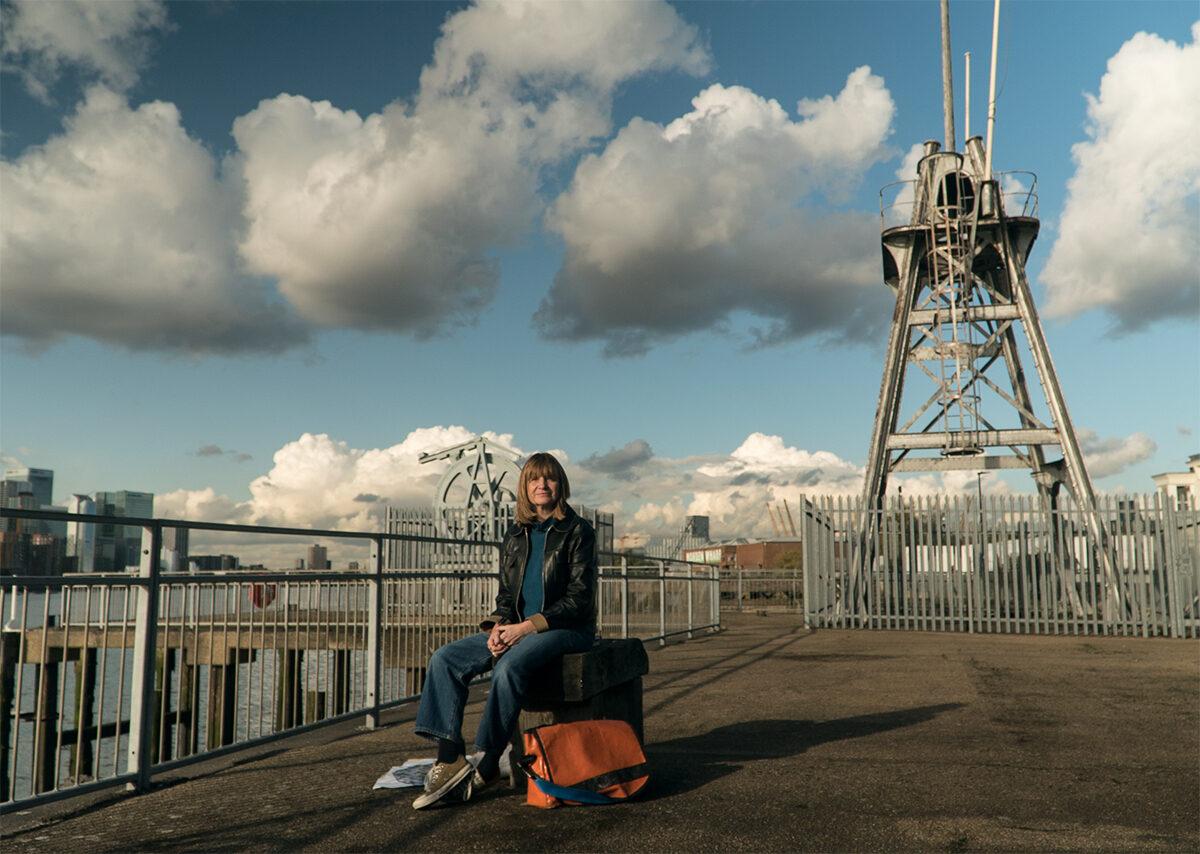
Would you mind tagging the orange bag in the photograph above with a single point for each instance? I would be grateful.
(584, 762)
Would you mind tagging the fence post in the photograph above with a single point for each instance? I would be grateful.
(715, 597)
(805, 589)
(689, 589)
(374, 635)
(739, 587)
(1171, 561)
(662, 603)
(624, 596)
(145, 637)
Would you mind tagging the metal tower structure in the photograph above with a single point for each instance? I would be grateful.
(957, 268)
(958, 272)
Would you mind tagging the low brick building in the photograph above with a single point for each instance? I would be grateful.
(742, 554)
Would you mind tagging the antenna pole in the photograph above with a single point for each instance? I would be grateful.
(947, 78)
(967, 100)
(991, 118)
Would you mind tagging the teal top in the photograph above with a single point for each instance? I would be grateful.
(532, 591)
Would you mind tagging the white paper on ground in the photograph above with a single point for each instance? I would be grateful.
(412, 772)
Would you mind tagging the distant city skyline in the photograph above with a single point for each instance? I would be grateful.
(313, 241)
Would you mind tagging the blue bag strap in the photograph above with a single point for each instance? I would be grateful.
(569, 793)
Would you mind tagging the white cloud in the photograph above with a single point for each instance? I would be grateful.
(900, 207)
(123, 229)
(732, 489)
(672, 229)
(383, 222)
(388, 221)
(1129, 239)
(321, 482)
(200, 505)
(1104, 457)
(107, 40)
(595, 42)
(120, 229)
(316, 479)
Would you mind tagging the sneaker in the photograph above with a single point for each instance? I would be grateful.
(444, 778)
(505, 770)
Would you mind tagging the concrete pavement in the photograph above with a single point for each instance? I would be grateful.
(764, 737)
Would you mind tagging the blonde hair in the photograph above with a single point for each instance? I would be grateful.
(541, 465)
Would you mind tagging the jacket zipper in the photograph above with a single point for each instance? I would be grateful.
(528, 535)
(521, 576)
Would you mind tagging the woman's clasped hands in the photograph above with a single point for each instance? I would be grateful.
(504, 636)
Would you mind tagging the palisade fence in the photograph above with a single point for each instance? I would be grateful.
(1011, 564)
(106, 679)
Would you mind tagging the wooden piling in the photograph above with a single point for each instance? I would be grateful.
(186, 737)
(9, 643)
(45, 729)
(314, 708)
(341, 682)
(414, 681)
(83, 745)
(222, 703)
(289, 694)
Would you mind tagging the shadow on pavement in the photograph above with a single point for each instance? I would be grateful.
(683, 764)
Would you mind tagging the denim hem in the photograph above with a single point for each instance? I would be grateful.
(434, 735)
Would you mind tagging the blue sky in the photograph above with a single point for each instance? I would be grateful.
(115, 386)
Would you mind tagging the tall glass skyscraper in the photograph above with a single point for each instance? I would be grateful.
(120, 546)
(81, 536)
(41, 482)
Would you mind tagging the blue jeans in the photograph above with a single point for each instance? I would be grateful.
(453, 667)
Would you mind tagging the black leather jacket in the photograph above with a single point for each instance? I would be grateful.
(568, 577)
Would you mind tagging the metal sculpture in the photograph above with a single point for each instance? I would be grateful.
(481, 480)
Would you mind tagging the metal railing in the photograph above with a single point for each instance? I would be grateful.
(107, 679)
(1014, 564)
(765, 589)
(897, 199)
(656, 599)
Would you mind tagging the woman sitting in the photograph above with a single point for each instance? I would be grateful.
(545, 608)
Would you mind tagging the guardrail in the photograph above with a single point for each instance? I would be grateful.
(107, 679)
(1010, 564)
(766, 589)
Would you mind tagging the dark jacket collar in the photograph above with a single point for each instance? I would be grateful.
(560, 525)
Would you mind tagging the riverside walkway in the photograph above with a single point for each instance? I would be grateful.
(764, 737)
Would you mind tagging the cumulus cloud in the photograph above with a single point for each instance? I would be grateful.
(672, 229)
(732, 489)
(1104, 457)
(320, 482)
(124, 229)
(387, 222)
(900, 209)
(1128, 240)
(620, 462)
(120, 229)
(109, 41)
(200, 505)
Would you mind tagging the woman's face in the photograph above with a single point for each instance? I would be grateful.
(542, 491)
